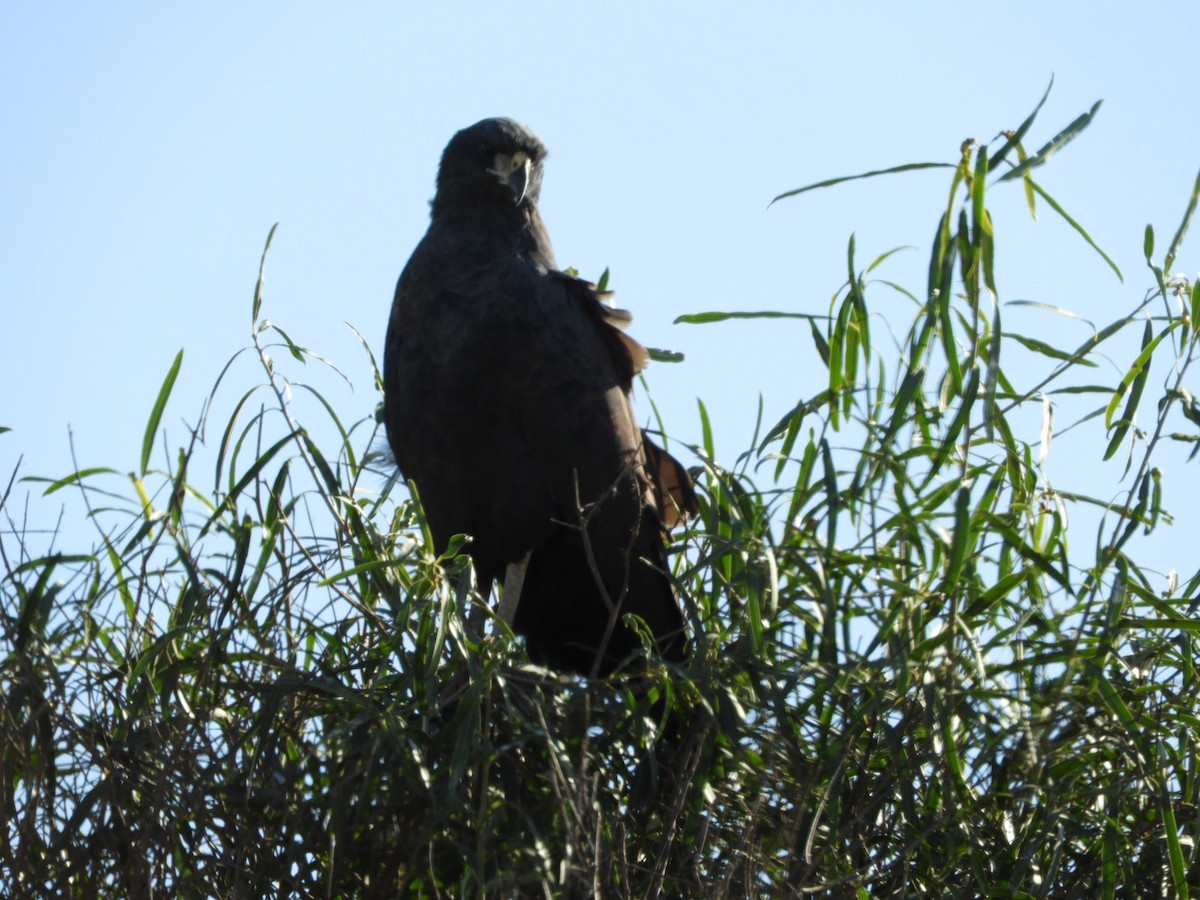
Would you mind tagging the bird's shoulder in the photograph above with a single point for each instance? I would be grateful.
(594, 310)
(459, 282)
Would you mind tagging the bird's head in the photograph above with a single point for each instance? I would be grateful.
(493, 162)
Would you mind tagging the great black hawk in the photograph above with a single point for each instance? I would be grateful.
(506, 398)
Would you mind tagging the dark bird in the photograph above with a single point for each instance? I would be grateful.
(507, 402)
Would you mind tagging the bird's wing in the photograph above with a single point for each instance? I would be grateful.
(674, 493)
(458, 371)
(670, 484)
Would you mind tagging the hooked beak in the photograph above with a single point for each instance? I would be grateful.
(513, 171)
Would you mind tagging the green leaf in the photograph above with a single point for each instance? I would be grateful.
(1014, 139)
(913, 380)
(1079, 228)
(822, 345)
(73, 478)
(251, 476)
(978, 189)
(160, 403)
(1115, 703)
(708, 317)
(910, 167)
(877, 261)
(1170, 832)
(1027, 185)
(1137, 372)
(957, 424)
(1055, 144)
(258, 285)
(293, 348)
(993, 372)
(1004, 586)
(706, 430)
(1045, 349)
(664, 356)
(1169, 262)
(960, 540)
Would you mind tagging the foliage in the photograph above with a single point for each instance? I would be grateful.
(904, 681)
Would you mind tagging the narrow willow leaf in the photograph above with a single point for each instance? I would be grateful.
(705, 430)
(1113, 700)
(1014, 139)
(1169, 262)
(802, 489)
(664, 356)
(73, 478)
(275, 501)
(822, 344)
(987, 254)
(910, 167)
(250, 476)
(949, 344)
(1044, 563)
(755, 619)
(1027, 186)
(837, 355)
(1049, 307)
(160, 404)
(1045, 349)
(961, 417)
(1137, 515)
(1137, 372)
(1014, 470)
(913, 379)
(292, 347)
(1004, 586)
(45, 565)
(978, 189)
(1155, 500)
(789, 438)
(707, 317)
(1079, 228)
(937, 258)
(1055, 144)
(785, 423)
(258, 285)
(883, 256)
(860, 320)
(960, 540)
(832, 493)
(1047, 429)
(968, 258)
(119, 571)
(321, 464)
(1135, 381)
(1170, 832)
(227, 436)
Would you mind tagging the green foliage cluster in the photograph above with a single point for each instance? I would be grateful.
(903, 683)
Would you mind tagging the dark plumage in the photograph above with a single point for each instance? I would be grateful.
(506, 388)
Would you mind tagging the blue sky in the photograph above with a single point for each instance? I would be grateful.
(149, 148)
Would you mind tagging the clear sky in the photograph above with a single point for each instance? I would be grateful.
(149, 147)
